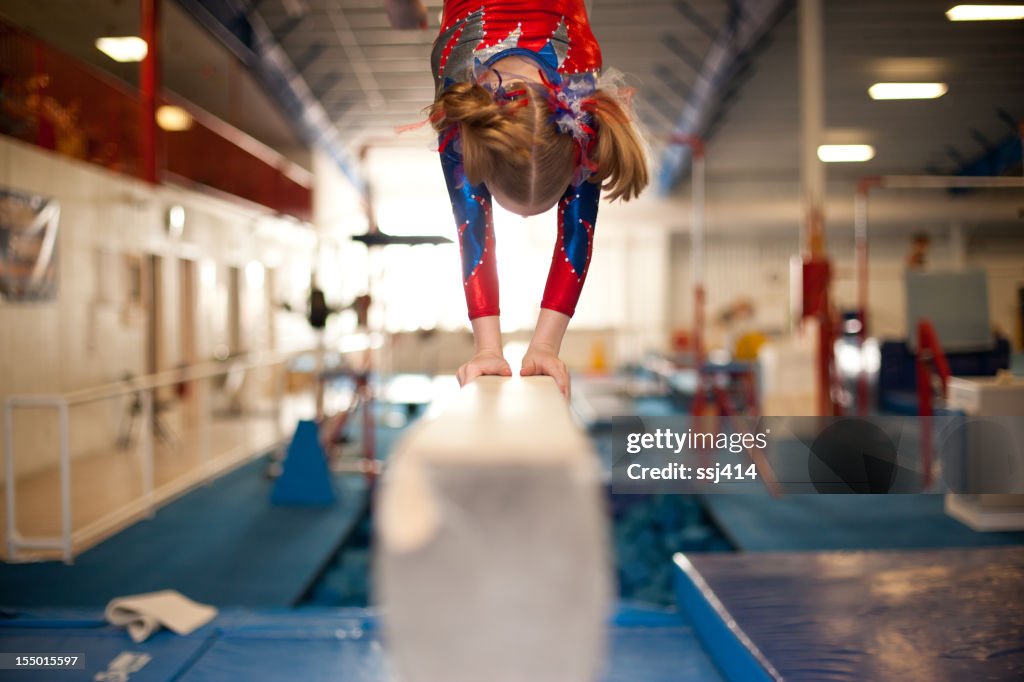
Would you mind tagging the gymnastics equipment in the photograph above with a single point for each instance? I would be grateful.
(860, 230)
(929, 355)
(956, 305)
(305, 480)
(706, 373)
(374, 236)
(706, 379)
(492, 560)
(993, 448)
(697, 212)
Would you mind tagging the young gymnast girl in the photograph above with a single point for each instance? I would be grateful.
(521, 117)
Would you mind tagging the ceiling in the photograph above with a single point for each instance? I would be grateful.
(369, 78)
(865, 42)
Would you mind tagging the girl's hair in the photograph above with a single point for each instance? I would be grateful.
(515, 148)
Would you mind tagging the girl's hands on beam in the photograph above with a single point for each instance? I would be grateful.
(543, 361)
(489, 359)
(484, 363)
(542, 356)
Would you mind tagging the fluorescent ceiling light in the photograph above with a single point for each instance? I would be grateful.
(173, 119)
(123, 48)
(985, 13)
(846, 153)
(907, 90)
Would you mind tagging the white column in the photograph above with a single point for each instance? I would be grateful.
(812, 114)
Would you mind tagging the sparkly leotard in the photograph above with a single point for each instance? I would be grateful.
(556, 35)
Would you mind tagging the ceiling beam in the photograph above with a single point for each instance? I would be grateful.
(750, 21)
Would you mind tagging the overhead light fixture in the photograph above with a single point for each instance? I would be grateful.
(908, 90)
(173, 119)
(123, 48)
(846, 153)
(176, 221)
(985, 13)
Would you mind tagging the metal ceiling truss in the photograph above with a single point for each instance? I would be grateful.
(749, 22)
(237, 24)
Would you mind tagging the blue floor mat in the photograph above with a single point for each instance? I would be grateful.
(824, 522)
(168, 655)
(222, 544)
(313, 645)
(921, 615)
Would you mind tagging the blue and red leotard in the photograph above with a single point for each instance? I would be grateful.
(556, 34)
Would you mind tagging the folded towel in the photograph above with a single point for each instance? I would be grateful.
(143, 614)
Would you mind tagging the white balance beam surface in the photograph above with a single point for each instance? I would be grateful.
(492, 553)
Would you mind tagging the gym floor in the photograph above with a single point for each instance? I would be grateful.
(233, 306)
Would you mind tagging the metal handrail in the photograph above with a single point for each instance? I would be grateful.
(171, 377)
(144, 387)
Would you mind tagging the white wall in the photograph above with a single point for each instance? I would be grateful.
(91, 334)
(625, 291)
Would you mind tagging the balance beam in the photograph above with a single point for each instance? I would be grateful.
(492, 555)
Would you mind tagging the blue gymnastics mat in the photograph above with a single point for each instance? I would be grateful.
(927, 615)
(759, 523)
(317, 645)
(221, 544)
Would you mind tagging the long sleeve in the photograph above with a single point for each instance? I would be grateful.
(474, 220)
(577, 216)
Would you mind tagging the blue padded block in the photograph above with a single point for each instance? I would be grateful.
(737, 661)
(758, 523)
(666, 653)
(305, 480)
(924, 615)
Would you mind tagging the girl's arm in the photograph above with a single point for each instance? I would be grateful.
(406, 14)
(471, 206)
(577, 215)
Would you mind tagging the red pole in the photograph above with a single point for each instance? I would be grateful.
(924, 405)
(149, 84)
(369, 427)
(929, 351)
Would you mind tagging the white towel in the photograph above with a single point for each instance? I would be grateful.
(143, 614)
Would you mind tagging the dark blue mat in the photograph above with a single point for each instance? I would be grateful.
(168, 655)
(312, 645)
(927, 615)
(221, 544)
(760, 523)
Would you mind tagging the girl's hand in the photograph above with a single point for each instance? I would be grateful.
(542, 360)
(406, 14)
(485, 362)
